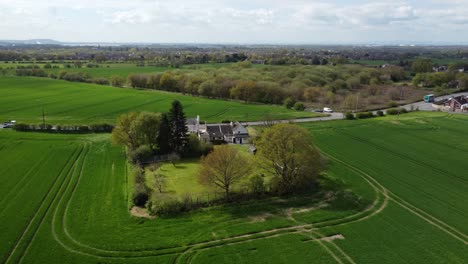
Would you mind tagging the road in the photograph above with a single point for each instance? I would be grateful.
(423, 106)
(332, 116)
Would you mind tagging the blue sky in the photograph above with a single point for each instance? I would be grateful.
(241, 21)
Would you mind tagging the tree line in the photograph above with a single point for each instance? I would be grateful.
(147, 134)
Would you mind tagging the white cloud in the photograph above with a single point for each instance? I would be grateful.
(233, 21)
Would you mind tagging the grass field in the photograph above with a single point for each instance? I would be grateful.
(22, 99)
(409, 172)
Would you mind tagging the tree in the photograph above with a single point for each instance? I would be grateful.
(159, 179)
(421, 65)
(147, 129)
(316, 60)
(299, 106)
(124, 132)
(117, 81)
(289, 102)
(287, 152)
(178, 127)
(134, 130)
(164, 135)
(168, 82)
(223, 167)
(174, 158)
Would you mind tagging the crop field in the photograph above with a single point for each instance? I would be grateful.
(408, 174)
(23, 99)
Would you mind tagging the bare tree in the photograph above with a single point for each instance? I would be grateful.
(159, 179)
(223, 168)
(174, 158)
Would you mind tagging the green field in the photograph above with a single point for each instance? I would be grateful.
(409, 173)
(22, 99)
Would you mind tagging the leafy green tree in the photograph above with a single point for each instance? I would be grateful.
(178, 127)
(124, 132)
(288, 153)
(168, 82)
(421, 65)
(147, 129)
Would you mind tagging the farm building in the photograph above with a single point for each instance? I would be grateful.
(233, 132)
(457, 104)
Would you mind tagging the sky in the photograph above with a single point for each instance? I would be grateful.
(237, 22)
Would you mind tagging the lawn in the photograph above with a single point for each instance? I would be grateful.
(23, 99)
(408, 172)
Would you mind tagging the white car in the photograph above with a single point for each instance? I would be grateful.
(327, 110)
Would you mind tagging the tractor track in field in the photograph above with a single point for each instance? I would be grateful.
(222, 112)
(56, 182)
(405, 157)
(13, 189)
(422, 164)
(448, 229)
(76, 170)
(69, 180)
(84, 249)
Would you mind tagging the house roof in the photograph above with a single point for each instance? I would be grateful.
(238, 128)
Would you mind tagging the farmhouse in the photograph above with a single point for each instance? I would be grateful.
(233, 132)
(457, 104)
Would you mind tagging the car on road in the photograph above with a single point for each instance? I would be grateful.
(8, 124)
(327, 110)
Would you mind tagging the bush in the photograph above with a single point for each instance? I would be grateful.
(299, 106)
(100, 81)
(196, 147)
(257, 184)
(74, 76)
(140, 195)
(101, 127)
(364, 115)
(380, 113)
(21, 127)
(396, 111)
(117, 81)
(142, 153)
(349, 116)
(167, 204)
(392, 104)
(289, 102)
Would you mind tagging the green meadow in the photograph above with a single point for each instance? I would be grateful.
(65, 201)
(23, 99)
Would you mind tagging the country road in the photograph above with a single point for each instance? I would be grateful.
(332, 116)
(421, 105)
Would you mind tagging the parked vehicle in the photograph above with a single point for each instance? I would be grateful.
(327, 110)
(318, 110)
(429, 98)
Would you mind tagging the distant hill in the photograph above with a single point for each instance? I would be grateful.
(32, 42)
